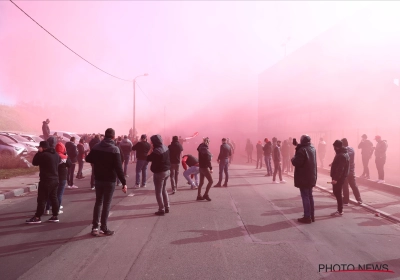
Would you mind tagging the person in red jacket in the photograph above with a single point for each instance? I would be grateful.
(81, 157)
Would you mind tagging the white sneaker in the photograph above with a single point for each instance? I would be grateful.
(275, 182)
(381, 181)
(47, 212)
(61, 207)
(283, 182)
(376, 181)
(93, 188)
(69, 187)
(136, 186)
(337, 213)
(74, 187)
(60, 212)
(143, 186)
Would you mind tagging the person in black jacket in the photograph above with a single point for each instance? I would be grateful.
(93, 142)
(367, 149)
(305, 176)
(259, 150)
(106, 160)
(351, 178)
(72, 152)
(142, 149)
(267, 156)
(225, 152)
(47, 159)
(285, 156)
(339, 171)
(249, 150)
(205, 169)
(160, 166)
(380, 158)
(46, 129)
(277, 158)
(175, 150)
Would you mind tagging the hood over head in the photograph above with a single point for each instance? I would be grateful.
(156, 140)
(52, 140)
(61, 150)
(305, 139)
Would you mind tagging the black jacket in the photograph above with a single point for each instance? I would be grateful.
(159, 158)
(47, 161)
(93, 142)
(72, 151)
(259, 149)
(225, 151)
(267, 149)
(276, 157)
(340, 165)
(142, 148)
(249, 147)
(175, 150)
(45, 130)
(352, 165)
(125, 147)
(367, 148)
(204, 156)
(106, 161)
(191, 160)
(305, 163)
(380, 149)
(63, 169)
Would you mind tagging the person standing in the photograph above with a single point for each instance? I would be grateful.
(285, 156)
(231, 145)
(72, 152)
(160, 166)
(175, 151)
(321, 151)
(46, 129)
(48, 160)
(106, 161)
(277, 158)
(126, 149)
(305, 176)
(291, 153)
(367, 149)
(267, 156)
(205, 169)
(225, 152)
(259, 150)
(339, 171)
(193, 170)
(380, 158)
(80, 158)
(142, 149)
(249, 150)
(351, 178)
(92, 143)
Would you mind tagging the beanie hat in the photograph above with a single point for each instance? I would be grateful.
(338, 144)
(44, 144)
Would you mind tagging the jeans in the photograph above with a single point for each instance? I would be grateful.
(337, 191)
(268, 164)
(141, 168)
(126, 162)
(160, 182)
(250, 157)
(92, 177)
(47, 190)
(193, 170)
(60, 192)
(365, 162)
(285, 163)
(259, 160)
(223, 167)
(350, 180)
(80, 168)
(277, 168)
(205, 172)
(174, 175)
(70, 176)
(380, 163)
(308, 202)
(104, 194)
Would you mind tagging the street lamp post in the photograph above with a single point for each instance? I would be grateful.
(134, 103)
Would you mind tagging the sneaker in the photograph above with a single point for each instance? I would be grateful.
(199, 197)
(143, 186)
(47, 212)
(61, 207)
(381, 181)
(106, 232)
(376, 181)
(275, 182)
(217, 186)
(53, 219)
(345, 204)
(160, 213)
(304, 220)
(166, 210)
(136, 186)
(93, 188)
(283, 182)
(60, 212)
(206, 197)
(95, 232)
(173, 191)
(69, 187)
(126, 176)
(367, 177)
(74, 187)
(225, 185)
(359, 202)
(337, 213)
(33, 220)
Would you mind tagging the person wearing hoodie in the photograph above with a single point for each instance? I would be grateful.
(160, 166)
(267, 156)
(305, 176)
(351, 178)
(191, 166)
(380, 158)
(142, 149)
(94, 141)
(367, 150)
(48, 160)
(277, 158)
(46, 129)
(339, 171)
(249, 151)
(126, 148)
(225, 153)
(175, 151)
(259, 150)
(72, 152)
(80, 158)
(205, 169)
(106, 160)
(65, 162)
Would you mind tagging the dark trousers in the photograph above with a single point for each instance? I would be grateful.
(380, 163)
(104, 194)
(70, 176)
(223, 168)
(80, 168)
(259, 160)
(365, 162)
(60, 192)
(47, 190)
(92, 178)
(249, 157)
(337, 191)
(321, 159)
(285, 164)
(350, 180)
(291, 167)
(205, 172)
(277, 168)
(308, 202)
(174, 175)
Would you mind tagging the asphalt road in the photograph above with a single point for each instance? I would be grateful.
(248, 231)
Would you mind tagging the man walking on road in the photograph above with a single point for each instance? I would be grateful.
(72, 152)
(367, 149)
(106, 161)
(225, 152)
(125, 147)
(267, 156)
(160, 166)
(351, 178)
(205, 169)
(277, 157)
(339, 172)
(47, 159)
(305, 176)
(259, 151)
(193, 170)
(380, 158)
(175, 151)
(142, 149)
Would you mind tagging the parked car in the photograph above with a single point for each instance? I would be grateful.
(66, 135)
(31, 147)
(32, 138)
(9, 146)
